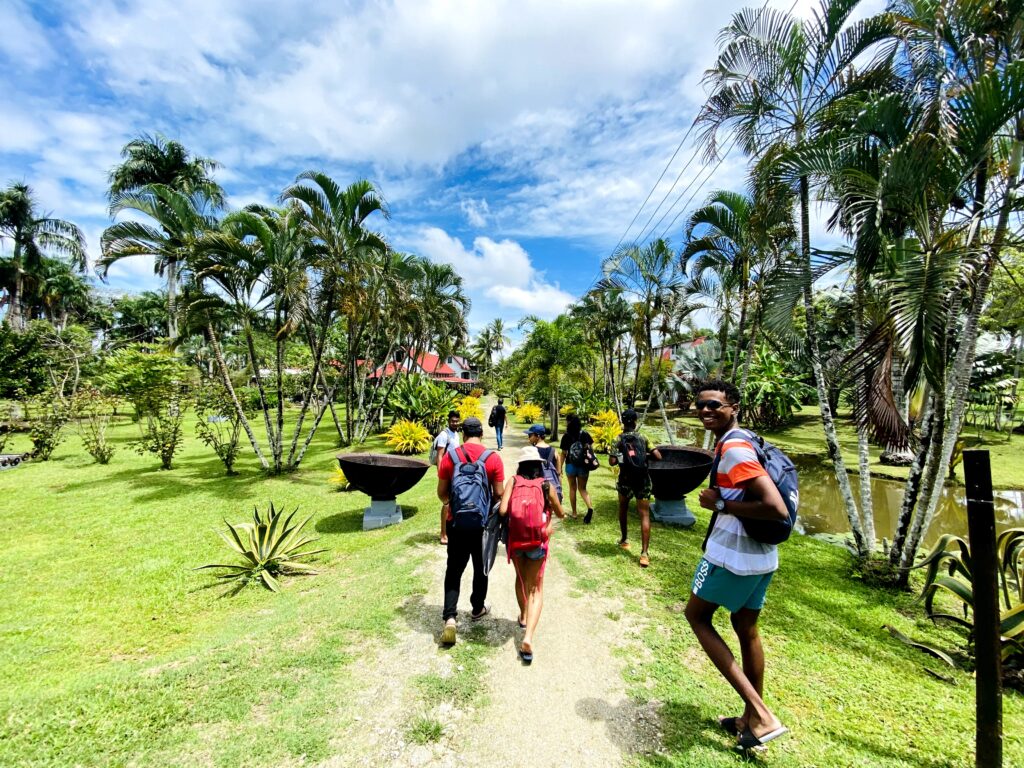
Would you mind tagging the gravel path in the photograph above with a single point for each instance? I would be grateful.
(569, 708)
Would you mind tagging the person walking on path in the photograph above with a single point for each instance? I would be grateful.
(736, 569)
(467, 489)
(574, 460)
(551, 462)
(448, 437)
(498, 419)
(529, 501)
(630, 454)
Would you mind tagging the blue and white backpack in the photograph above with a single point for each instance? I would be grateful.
(470, 496)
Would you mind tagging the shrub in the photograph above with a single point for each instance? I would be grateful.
(470, 407)
(162, 433)
(528, 413)
(565, 410)
(47, 429)
(477, 393)
(772, 392)
(217, 422)
(605, 430)
(270, 548)
(93, 411)
(416, 398)
(407, 437)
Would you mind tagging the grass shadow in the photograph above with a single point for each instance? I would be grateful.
(600, 549)
(342, 522)
(425, 617)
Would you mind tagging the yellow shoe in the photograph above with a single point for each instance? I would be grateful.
(645, 561)
(448, 633)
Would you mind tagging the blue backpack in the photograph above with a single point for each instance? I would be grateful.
(470, 496)
(551, 471)
(782, 471)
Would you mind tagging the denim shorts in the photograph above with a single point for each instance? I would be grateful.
(720, 586)
(537, 553)
(571, 470)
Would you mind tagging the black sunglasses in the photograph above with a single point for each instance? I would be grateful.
(711, 405)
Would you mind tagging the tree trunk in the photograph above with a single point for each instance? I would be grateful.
(279, 371)
(172, 285)
(867, 511)
(254, 363)
(219, 356)
(912, 488)
(750, 352)
(831, 439)
(959, 376)
(15, 316)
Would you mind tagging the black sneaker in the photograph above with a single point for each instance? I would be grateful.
(588, 517)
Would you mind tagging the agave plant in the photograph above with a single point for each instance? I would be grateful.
(270, 546)
(952, 555)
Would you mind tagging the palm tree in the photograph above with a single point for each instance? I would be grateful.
(498, 337)
(159, 160)
(32, 237)
(552, 352)
(605, 318)
(348, 252)
(772, 84)
(177, 221)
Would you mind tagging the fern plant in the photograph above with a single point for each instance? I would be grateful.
(270, 546)
(407, 437)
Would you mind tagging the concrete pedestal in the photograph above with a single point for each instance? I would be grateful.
(381, 513)
(672, 513)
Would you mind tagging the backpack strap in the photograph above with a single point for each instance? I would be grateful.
(714, 481)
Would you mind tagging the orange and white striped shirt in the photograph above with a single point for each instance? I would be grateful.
(729, 546)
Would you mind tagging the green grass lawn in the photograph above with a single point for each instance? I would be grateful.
(115, 652)
(851, 694)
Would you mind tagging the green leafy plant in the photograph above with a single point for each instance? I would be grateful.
(528, 413)
(217, 422)
(949, 570)
(772, 392)
(47, 428)
(416, 398)
(161, 431)
(270, 547)
(92, 410)
(407, 437)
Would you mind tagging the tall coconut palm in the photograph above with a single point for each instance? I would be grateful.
(32, 236)
(605, 318)
(552, 352)
(772, 84)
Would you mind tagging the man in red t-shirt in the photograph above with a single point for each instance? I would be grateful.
(464, 545)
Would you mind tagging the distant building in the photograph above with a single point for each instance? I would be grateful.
(673, 351)
(455, 371)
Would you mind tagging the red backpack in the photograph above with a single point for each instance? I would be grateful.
(527, 523)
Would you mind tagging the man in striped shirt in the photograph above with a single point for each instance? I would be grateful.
(735, 570)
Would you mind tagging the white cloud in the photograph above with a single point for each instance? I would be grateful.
(498, 276)
(476, 211)
(22, 40)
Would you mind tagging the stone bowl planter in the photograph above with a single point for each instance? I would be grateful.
(11, 460)
(381, 477)
(680, 470)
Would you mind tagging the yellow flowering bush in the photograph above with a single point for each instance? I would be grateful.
(565, 410)
(470, 406)
(528, 413)
(339, 480)
(407, 437)
(477, 393)
(605, 430)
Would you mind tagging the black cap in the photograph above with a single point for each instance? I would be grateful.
(629, 415)
(473, 427)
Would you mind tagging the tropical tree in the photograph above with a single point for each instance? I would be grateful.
(32, 236)
(176, 222)
(552, 353)
(772, 85)
(605, 317)
(158, 160)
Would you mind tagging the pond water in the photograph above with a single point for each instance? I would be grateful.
(822, 510)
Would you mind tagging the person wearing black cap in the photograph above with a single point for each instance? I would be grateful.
(630, 454)
(466, 543)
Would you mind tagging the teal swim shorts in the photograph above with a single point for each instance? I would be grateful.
(717, 585)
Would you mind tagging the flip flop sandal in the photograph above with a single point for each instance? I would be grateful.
(729, 725)
(749, 741)
(478, 616)
(526, 657)
(522, 624)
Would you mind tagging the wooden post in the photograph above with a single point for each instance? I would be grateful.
(981, 527)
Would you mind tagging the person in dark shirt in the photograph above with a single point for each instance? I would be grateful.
(576, 474)
(499, 420)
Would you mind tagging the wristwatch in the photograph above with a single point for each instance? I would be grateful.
(720, 505)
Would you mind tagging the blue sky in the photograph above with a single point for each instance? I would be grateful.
(514, 140)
